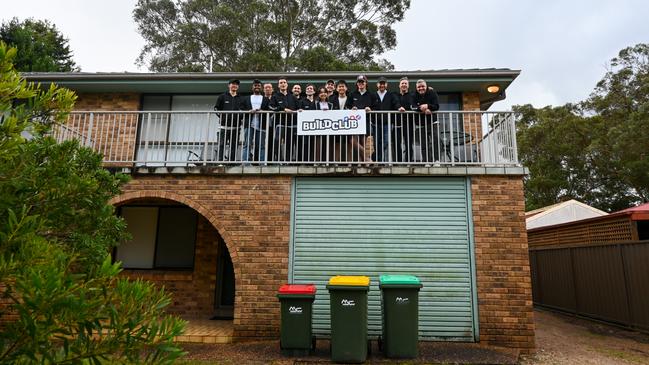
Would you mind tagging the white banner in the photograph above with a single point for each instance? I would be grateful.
(330, 122)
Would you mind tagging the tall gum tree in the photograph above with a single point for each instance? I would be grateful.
(267, 35)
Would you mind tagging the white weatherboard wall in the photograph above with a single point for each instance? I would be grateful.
(375, 225)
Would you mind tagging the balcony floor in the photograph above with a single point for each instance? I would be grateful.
(363, 170)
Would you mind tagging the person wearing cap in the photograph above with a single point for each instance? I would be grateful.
(361, 98)
(403, 128)
(230, 123)
(426, 102)
(255, 132)
(283, 139)
(386, 101)
(330, 86)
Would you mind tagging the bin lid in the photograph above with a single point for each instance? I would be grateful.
(297, 289)
(350, 280)
(399, 280)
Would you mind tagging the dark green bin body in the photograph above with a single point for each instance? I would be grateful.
(296, 323)
(400, 317)
(348, 323)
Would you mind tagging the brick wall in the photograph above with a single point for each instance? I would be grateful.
(192, 291)
(252, 215)
(502, 262)
(112, 134)
(472, 123)
(107, 102)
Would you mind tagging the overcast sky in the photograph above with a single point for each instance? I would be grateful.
(561, 47)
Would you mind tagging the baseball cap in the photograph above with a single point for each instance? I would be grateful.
(234, 81)
(361, 78)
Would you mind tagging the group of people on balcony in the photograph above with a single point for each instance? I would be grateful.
(273, 136)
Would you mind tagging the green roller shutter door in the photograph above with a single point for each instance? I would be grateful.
(374, 226)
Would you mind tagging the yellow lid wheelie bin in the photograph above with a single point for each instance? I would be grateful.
(348, 300)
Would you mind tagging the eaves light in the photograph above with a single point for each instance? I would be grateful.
(493, 89)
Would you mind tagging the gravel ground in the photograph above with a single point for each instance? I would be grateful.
(560, 340)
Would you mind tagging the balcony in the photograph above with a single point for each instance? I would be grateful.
(453, 142)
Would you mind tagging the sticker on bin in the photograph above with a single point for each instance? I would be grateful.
(295, 310)
(350, 281)
(401, 300)
(347, 303)
(297, 289)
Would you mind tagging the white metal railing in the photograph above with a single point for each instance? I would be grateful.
(167, 138)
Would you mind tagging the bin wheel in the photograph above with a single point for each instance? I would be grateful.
(380, 343)
(369, 347)
(313, 343)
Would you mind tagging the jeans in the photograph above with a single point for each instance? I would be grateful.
(254, 145)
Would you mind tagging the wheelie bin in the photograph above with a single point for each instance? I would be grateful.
(400, 315)
(296, 302)
(348, 295)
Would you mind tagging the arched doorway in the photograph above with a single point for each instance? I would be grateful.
(225, 286)
(176, 246)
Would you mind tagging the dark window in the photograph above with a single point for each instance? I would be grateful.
(162, 238)
(450, 101)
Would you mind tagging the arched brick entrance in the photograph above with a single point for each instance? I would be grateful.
(252, 215)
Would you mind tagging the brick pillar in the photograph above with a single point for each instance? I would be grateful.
(502, 262)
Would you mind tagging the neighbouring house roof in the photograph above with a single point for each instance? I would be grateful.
(568, 211)
(641, 212)
(449, 80)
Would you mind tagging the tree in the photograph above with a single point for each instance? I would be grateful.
(62, 300)
(552, 145)
(621, 101)
(595, 151)
(41, 47)
(267, 35)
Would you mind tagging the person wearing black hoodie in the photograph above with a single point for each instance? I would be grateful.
(361, 98)
(403, 128)
(426, 101)
(282, 101)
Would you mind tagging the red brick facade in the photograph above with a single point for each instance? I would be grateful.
(502, 262)
(252, 214)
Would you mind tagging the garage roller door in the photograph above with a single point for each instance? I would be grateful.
(373, 226)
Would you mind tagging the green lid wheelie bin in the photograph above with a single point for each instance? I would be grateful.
(400, 307)
(296, 302)
(348, 295)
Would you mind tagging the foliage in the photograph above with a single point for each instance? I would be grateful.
(597, 151)
(42, 48)
(62, 298)
(267, 35)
